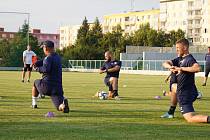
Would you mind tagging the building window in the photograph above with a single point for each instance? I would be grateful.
(4, 35)
(126, 18)
(11, 35)
(205, 30)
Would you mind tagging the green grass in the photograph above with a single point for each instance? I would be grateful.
(135, 117)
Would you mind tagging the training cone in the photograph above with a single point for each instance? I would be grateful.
(157, 97)
(49, 115)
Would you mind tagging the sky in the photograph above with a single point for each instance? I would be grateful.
(49, 15)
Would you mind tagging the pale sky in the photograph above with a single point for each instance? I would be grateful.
(49, 15)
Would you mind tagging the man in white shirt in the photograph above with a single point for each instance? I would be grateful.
(27, 61)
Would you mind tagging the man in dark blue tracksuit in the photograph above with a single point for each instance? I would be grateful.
(51, 82)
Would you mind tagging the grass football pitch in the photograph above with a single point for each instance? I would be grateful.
(135, 117)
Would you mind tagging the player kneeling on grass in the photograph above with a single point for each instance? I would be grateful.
(51, 82)
(111, 68)
(186, 89)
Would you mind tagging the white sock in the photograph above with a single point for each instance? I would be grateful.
(34, 100)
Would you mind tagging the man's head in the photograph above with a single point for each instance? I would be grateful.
(48, 47)
(182, 47)
(108, 55)
(29, 47)
(209, 49)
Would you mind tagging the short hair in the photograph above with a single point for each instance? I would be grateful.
(184, 42)
(109, 52)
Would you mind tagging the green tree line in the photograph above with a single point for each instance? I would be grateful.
(91, 43)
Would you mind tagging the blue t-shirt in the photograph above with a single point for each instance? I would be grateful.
(186, 80)
(51, 70)
(111, 64)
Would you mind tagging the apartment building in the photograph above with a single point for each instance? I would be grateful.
(68, 35)
(130, 21)
(192, 16)
(35, 32)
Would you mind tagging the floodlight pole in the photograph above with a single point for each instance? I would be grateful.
(28, 18)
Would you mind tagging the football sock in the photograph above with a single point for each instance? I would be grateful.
(172, 110)
(110, 88)
(208, 119)
(34, 100)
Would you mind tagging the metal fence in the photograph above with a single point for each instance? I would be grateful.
(154, 65)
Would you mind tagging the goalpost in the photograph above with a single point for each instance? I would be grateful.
(15, 14)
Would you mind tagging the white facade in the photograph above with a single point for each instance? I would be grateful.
(131, 21)
(68, 35)
(192, 16)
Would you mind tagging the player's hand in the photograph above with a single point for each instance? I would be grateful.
(102, 71)
(166, 80)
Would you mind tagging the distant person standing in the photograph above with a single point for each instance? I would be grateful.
(27, 62)
(207, 68)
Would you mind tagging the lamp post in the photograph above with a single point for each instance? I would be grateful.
(21, 13)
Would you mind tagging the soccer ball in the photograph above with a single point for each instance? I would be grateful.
(102, 95)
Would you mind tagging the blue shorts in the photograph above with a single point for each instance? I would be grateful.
(186, 108)
(186, 103)
(43, 88)
(207, 70)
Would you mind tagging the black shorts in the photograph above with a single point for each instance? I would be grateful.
(187, 108)
(42, 87)
(27, 67)
(186, 103)
(207, 70)
(106, 81)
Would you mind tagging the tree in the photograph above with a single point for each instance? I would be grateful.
(18, 45)
(4, 52)
(82, 33)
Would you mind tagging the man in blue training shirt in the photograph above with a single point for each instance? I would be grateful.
(207, 68)
(111, 68)
(186, 89)
(51, 82)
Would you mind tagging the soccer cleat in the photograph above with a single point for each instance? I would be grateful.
(164, 93)
(117, 98)
(204, 84)
(22, 81)
(28, 81)
(34, 106)
(66, 108)
(166, 115)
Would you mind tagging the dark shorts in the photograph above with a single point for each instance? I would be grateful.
(186, 108)
(186, 103)
(207, 70)
(43, 88)
(27, 68)
(106, 81)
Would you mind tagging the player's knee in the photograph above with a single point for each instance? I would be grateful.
(189, 117)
